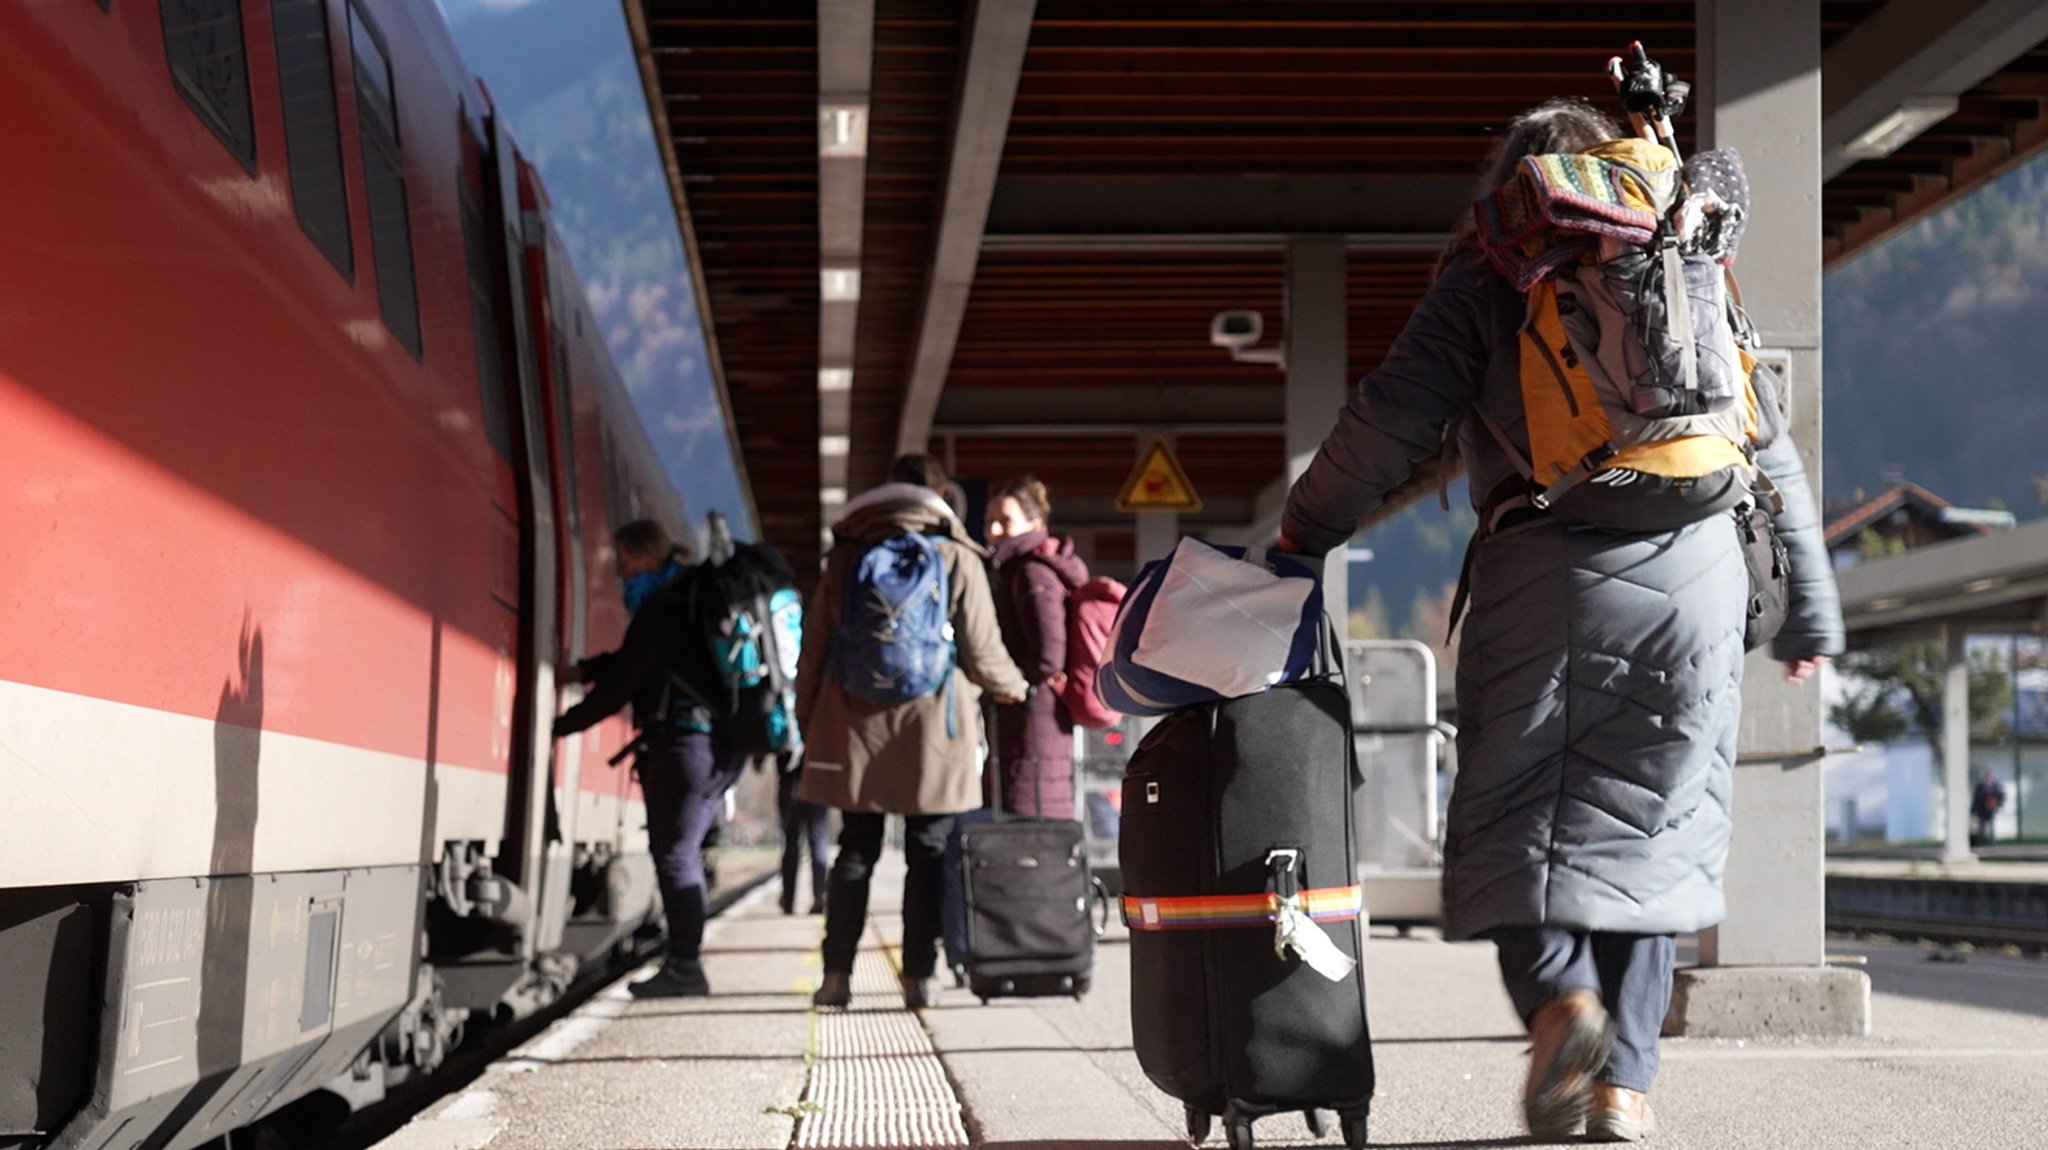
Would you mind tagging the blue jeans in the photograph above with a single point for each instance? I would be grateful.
(684, 777)
(1630, 972)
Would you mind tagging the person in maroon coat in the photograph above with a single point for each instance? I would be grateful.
(1035, 571)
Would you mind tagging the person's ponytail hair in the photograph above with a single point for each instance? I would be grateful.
(1030, 495)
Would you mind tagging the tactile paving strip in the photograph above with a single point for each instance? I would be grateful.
(876, 1080)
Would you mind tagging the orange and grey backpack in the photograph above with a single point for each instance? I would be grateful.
(1644, 405)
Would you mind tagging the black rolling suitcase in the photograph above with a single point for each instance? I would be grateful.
(1029, 929)
(1228, 808)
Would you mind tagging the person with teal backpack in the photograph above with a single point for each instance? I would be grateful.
(900, 642)
(667, 670)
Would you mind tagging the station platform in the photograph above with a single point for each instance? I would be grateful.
(1958, 1058)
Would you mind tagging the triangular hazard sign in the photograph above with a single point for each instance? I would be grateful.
(1158, 484)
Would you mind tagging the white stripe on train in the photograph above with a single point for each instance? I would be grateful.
(100, 791)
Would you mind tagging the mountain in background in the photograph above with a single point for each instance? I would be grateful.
(1936, 349)
(562, 73)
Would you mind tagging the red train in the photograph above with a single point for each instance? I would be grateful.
(310, 454)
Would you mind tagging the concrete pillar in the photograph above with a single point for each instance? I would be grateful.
(1955, 750)
(1759, 90)
(1318, 376)
(1158, 531)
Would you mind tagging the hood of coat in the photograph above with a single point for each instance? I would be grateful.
(1057, 551)
(893, 508)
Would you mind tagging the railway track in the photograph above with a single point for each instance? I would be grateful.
(320, 1122)
(1980, 905)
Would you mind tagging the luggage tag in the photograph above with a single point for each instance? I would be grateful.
(1294, 931)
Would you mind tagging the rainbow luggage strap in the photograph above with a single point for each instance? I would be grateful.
(1219, 911)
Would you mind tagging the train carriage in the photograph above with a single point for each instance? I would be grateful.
(310, 452)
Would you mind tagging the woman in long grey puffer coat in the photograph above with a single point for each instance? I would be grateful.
(1599, 682)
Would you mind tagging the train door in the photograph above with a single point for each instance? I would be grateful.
(532, 833)
(550, 287)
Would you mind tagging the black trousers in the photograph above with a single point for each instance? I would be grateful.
(846, 906)
(803, 825)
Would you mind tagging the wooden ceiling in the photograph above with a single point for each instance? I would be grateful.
(1139, 192)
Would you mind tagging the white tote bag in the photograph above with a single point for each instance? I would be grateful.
(1223, 623)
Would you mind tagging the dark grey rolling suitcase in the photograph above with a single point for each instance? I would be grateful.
(1224, 805)
(1029, 929)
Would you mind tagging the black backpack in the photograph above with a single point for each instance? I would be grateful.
(752, 617)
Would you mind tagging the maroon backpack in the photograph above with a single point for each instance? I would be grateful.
(1091, 613)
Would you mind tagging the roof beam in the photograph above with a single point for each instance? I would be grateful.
(997, 33)
(846, 67)
(1911, 50)
(1380, 210)
(1957, 580)
(993, 409)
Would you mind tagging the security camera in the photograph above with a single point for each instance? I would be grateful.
(1239, 329)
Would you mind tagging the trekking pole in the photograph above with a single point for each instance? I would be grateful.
(1650, 95)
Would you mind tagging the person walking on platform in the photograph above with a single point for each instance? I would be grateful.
(1985, 802)
(1034, 573)
(900, 641)
(804, 825)
(1599, 676)
(684, 762)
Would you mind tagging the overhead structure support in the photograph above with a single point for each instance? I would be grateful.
(1759, 89)
(1955, 748)
(997, 33)
(846, 51)
(1318, 377)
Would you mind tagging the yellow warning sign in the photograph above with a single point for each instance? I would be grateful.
(1158, 484)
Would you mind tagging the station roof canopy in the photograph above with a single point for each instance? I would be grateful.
(1045, 202)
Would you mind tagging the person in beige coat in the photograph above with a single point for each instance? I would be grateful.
(909, 759)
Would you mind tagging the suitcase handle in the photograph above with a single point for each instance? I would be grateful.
(1283, 861)
(1102, 904)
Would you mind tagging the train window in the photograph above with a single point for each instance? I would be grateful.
(312, 132)
(618, 502)
(565, 415)
(384, 175)
(210, 68)
(483, 323)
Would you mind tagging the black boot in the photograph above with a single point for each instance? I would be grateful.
(678, 978)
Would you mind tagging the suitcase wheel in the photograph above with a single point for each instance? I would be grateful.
(1199, 1124)
(1353, 1126)
(1316, 1126)
(1237, 1130)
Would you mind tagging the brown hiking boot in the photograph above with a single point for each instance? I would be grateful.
(1619, 1115)
(1570, 1038)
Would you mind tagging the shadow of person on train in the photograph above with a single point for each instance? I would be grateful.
(237, 751)
(230, 892)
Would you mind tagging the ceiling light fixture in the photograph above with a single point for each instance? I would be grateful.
(1913, 116)
(842, 130)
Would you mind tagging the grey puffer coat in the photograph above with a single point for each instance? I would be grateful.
(1599, 674)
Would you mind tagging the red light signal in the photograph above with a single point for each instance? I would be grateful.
(1114, 738)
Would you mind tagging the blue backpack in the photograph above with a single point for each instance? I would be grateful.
(894, 642)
